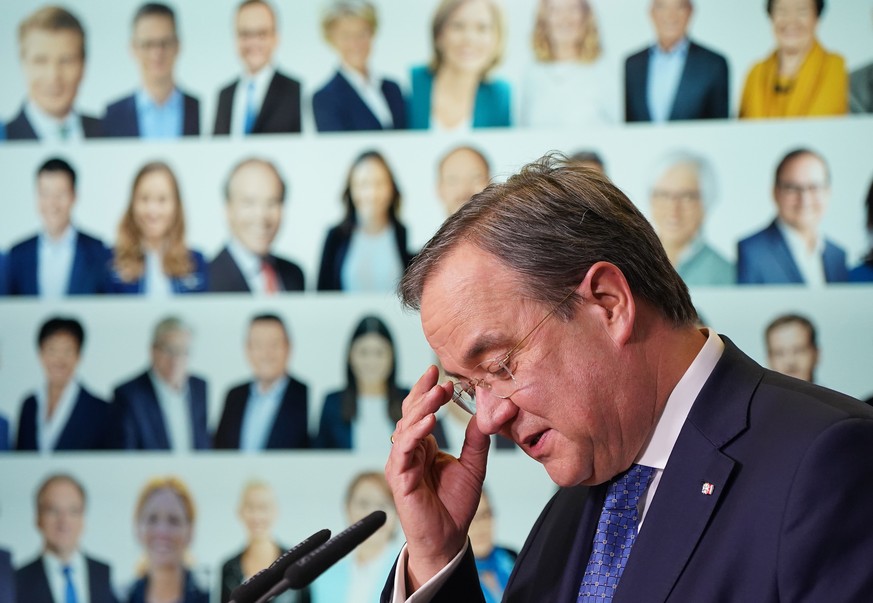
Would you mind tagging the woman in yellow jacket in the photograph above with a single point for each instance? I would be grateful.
(800, 78)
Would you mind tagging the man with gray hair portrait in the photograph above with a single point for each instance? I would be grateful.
(164, 408)
(682, 192)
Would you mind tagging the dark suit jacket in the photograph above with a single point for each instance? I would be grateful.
(280, 111)
(87, 275)
(225, 275)
(5, 443)
(336, 246)
(20, 128)
(764, 258)
(337, 107)
(336, 432)
(7, 578)
(32, 583)
(193, 594)
(791, 500)
(88, 427)
(121, 118)
(194, 282)
(290, 429)
(702, 92)
(142, 426)
(4, 274)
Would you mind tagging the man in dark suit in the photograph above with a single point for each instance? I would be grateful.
(254, 199)
(62, 414)
(263, 100)
(62, 573)
(164, 408)
(159, 109)
(51, 44)
(60, 260)
(687, 472)
(792, 249)
(7, 578)
(675, 78)
(271, 411)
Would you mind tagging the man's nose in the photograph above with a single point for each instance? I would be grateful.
(493, 412)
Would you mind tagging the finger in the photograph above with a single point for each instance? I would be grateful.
(474, 452)
(425, 398)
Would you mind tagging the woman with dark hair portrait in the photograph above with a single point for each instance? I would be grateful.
(863, 272)
(164, 524)
(150, 255)
(454, 91)
(799, 78)
(355, 98)
(367, 250)
(363, 415)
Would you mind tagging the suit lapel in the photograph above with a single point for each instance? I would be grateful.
(782, 255)
(154, 418)
(690, 75)
(684, 503)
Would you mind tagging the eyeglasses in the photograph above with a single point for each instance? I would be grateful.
(163, 44)
(498, 379)
(684, 197)
(797, 190)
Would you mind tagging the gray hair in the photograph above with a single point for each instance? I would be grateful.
(706, 180)
(338, 9)
(170, 324)
(550, 223)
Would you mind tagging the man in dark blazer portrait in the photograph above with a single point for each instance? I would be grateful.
(270, 411)
(60, 260)
(675, 78)
(62, 573)
(792, 249)
(159, 108)
(164, 408)
(262, 100)
(51, 46)
(254, 201)
(686, 471)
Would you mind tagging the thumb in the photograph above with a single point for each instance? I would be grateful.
(474, 452)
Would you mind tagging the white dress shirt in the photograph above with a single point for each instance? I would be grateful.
(809, 263)
(260, 415)
(372, 263)
(262, 81)
(174, 406)
(49, 430)
(370, 91)
(655, 454)
(49, 128)
(665, 72)
(54, 571)
(54, 263)
(155, 282)
(251, 266)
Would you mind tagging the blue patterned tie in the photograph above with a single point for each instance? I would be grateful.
(251, 110)
(70, 590)
(616, 532)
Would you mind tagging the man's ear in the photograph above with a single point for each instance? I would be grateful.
(606, 290)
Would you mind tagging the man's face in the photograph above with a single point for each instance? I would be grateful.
(155, 47)
(677, 208)
(256, 38)
(670, 18)
(254, 207)
(267, 350)
(53, 63)
(170, 357)
(60, 518)
(55, 197)
(352, 37)
(570, 411)
(59, 355)
(802, 193)
(462, 175)
(790, 351)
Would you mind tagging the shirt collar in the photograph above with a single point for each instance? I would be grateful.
(679, 49)
(248, 262)
(795, 242)
(146, 102)
(67, 238)
(275, 390)
(657, 451)
(54, 563)
(37, 117)
(261, 78)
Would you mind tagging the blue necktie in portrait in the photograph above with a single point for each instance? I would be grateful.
(69, 589)
(616, 532)
(251, 110)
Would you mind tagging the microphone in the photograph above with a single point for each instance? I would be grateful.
(254, 588)
(313, 564)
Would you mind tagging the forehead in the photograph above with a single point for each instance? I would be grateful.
(54, 179)
(52, 41)
(255, 15)
(254, 178)
(471, 307)
(462, 160)
(266, 329)
(684, 174)
(59, 492)
(805, 164)
(789, 332)
(153, 24)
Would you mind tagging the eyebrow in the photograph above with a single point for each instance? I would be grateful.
(484, 343)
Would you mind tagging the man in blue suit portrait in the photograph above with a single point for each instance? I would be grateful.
(792, 248)
(272, 410)
(60, 260)
(62, 573)
(686, 471)
(164, 408)
(158, 109)
(675, 78)
(51, 44)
